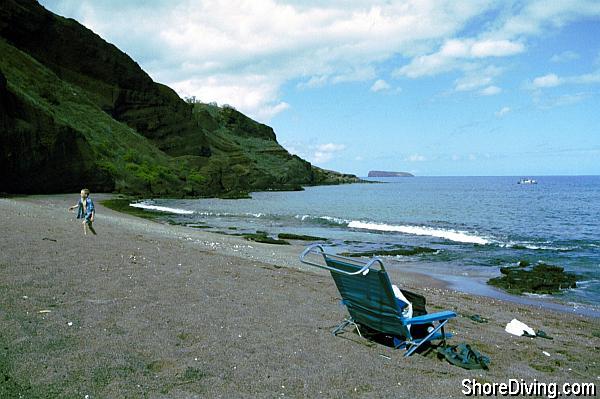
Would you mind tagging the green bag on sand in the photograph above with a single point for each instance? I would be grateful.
(463, 355)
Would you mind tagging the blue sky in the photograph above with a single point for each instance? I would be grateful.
(431, 87)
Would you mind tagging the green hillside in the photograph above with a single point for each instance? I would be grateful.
(76, 111)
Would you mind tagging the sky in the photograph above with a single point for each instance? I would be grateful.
(436, 88)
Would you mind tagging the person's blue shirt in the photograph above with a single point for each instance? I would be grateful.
(89, 208)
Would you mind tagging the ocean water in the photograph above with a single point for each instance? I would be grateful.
(475, 224)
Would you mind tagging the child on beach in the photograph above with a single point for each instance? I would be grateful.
(86, 211)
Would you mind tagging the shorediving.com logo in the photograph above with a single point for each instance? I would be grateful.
(520, 388)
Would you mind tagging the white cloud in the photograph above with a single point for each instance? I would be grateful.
(565, 56)
(503, 111)
(505, 36)
(224, 50)
(380, 85)
(326, 152)
(315, 153)
(495, 48)
(476, 78)
(490, 91)
(455, 54)
(561, 100)
(471, 82)
(587, 78)
(549, 80)
(552, 80)
(268, 111)
(331, 147)
(314, 81)
(539, 16)
(252, 92)
(416, 158)
(242, 52)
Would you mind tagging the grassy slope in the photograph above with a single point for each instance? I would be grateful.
(137, 165)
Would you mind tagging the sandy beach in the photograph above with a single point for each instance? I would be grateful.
(148, 310)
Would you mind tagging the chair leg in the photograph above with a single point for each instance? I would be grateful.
(339, 329)
(357, 329)
(415, 346)
(398, 344)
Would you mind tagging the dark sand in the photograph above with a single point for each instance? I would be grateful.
(150, 310)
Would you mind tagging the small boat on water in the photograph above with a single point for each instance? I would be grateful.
(527, 181)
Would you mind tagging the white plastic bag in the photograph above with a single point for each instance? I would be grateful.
(516, 327)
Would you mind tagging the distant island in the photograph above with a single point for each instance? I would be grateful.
(380, 173)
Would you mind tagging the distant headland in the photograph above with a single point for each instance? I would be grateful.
(380, 173)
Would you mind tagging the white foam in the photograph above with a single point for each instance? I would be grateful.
(513, 244)
(161, 208)
(549, 248)
(451, 235)
(585, 283)
(534, 295)
(256, 215)
(334, 219)
(330, 219)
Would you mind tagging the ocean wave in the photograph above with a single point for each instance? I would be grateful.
(520, 245)
(586, 283)
(452, 235)
(144, 205)
(229, 214)
(323, 219)
(534, 295)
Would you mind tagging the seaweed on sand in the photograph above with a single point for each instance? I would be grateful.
(261, 236)
(539, 279)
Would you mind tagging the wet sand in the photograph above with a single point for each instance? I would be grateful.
(159, 311)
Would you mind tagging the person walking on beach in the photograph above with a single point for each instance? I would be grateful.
(85, 211)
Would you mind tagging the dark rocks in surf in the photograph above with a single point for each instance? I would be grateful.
(261, 236)
(408, 251)
(538, 279)
(299, 237)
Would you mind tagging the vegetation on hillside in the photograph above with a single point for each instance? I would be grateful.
(76, 111)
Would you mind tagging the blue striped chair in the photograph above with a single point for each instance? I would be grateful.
(367, 293)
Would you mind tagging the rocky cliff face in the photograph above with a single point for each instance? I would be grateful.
(36, 152)
(77, 111)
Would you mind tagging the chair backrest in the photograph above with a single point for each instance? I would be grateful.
(369, 297)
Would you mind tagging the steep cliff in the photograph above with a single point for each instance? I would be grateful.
(76, 111)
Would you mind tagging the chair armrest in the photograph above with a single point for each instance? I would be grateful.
(428, 318)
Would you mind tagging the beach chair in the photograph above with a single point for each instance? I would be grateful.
(368, 295)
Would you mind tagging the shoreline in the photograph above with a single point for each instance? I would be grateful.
(156, 310)
(431, 275)
(472, 286)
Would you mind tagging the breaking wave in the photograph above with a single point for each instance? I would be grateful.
(452, 235)
(331, 220)
(178, 211)
(448, 234)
